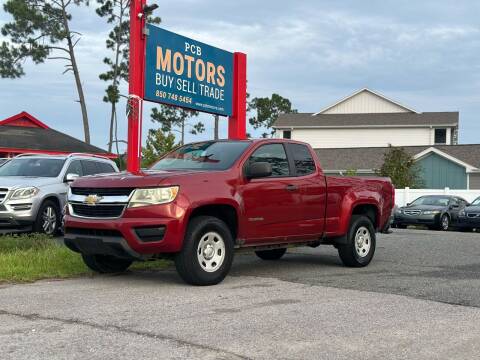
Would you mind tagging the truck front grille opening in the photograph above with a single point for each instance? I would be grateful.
(98, 211)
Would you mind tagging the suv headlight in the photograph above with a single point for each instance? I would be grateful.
(153, 196)
(431, 212)
(24, 193)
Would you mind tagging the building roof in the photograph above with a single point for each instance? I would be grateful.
(23, 133)
(369, 158)
(407, 119)
(393, 104)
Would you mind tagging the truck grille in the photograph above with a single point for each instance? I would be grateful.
(411, 212)
(98, 211)
(3, 194)
(102, 191)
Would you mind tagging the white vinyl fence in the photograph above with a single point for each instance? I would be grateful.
(404, 196)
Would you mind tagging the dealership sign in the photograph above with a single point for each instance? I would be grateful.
(183, 72)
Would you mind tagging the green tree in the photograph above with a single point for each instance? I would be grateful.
(116, 13)
(399, 166)
(173, 119)
(40, 31)
(351, 172)
(158, 143)
(268, 110)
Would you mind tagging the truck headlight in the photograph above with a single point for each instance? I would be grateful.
(431, 212)
(153, 196)
(24, 193)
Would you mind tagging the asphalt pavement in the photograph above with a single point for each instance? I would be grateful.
(418, 299)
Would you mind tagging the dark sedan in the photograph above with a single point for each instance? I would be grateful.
(434, 211)
(469, 217)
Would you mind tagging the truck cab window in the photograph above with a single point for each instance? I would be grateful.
(275, 155)
(303, 160)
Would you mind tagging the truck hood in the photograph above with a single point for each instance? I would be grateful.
(134, 180)
(23, 181)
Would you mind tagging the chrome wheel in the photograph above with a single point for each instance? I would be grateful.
(445, 222)
(211, 251)
(49, 223)
(363, 241)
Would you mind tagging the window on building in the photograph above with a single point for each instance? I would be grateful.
(440, 136)
(303, 160)
(275, 155)
(287, 134)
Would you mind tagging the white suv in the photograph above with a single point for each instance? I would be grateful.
(33, 188)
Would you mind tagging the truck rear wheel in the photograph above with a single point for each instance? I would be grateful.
(207, 253)
(361, 242)
(105, 264)
(273, 254)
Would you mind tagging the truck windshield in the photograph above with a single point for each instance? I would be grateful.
(209, 155)
(32, 167)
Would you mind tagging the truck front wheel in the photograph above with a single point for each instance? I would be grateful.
(361, 242)
(105, 264)
(207, 253)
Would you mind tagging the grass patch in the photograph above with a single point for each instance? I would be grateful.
(26, 258)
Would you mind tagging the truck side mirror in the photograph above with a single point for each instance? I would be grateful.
(259, 170)
(71, 178)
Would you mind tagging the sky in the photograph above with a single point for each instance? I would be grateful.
(423, 54)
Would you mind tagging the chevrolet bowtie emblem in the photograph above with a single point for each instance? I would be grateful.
(92, 199)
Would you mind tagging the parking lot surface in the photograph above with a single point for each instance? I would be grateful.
(419, 299)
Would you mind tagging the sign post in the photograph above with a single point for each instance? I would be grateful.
(135, 84)
(172, 69)
(237, 123)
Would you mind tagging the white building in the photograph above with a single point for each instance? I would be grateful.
(369, 119)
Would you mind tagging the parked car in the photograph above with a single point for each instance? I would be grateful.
(469, 217)
(33, 188)
(3, 161)
(203, 200)
(434, 211)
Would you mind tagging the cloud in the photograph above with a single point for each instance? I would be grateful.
(424, 54)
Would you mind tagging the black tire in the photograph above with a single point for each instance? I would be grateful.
(273, 254)
(40, 225)
(444, 224)
(348, 253)
(192, 262)
(105, 264)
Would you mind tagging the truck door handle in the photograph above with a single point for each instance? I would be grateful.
(291, 188)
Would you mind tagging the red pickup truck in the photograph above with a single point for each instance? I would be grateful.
(204, 200)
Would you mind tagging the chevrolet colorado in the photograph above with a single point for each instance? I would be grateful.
(204, 200)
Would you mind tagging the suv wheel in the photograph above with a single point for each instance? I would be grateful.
(207, 253)
(105, 264)
(48, 218)
(361, 242)
(273, 254)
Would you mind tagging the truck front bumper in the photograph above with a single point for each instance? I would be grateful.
(140, 233)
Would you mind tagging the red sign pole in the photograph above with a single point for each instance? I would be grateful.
(238, 121)
(136, 84)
